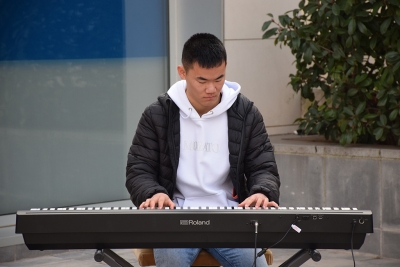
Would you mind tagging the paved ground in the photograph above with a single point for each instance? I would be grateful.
(84, 258)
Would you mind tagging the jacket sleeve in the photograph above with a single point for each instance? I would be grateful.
(260, 167)
(143, 161)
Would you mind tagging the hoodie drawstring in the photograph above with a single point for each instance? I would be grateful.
(190, 112)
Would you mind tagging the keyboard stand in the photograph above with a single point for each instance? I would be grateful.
(301, 257)
(111, 258)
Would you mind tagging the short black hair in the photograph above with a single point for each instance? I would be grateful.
(205, 49)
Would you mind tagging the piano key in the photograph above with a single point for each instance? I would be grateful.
(35, 209)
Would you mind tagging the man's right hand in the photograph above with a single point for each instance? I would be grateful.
(159, 200)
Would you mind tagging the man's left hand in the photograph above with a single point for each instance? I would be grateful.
(258, 200)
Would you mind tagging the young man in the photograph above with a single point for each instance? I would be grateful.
(202, 144)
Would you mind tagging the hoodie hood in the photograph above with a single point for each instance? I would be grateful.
(177, 92)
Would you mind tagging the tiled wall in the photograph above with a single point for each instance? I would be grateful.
(260, 67)
(364, 177)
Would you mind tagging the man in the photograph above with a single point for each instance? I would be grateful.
(202, 144)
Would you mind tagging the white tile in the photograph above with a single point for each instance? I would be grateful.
(262, 69)
(243, 19)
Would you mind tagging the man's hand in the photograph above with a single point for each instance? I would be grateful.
(258, 200)
(159, 200)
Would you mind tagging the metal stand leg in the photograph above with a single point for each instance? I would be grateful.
(111, 258)
(301, 257)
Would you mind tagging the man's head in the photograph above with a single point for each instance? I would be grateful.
(204, 65)
(205, 49)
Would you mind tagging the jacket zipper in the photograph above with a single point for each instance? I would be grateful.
(171, 144)
(241, 146)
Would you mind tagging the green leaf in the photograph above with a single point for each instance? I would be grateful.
(383, 119)
(360, 78)
(335, 9)
(352, 26)
(392, 56)
(370, 116)
(398, 45)
(373, 41)
(308, 55)
(361, 107)
(393, 114)
(385, 25)
(349, 41)
(352, 92)
(396, 66)
(378, 132)
(390, 79)
(382, 101)
(269, 14)
(363, 29)
(342, 125)
(315, 47)
(266, 25)
(269, 33)
(282, 20)
(380, 94)
(348, 111)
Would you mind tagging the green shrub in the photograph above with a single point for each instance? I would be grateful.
(349, 49)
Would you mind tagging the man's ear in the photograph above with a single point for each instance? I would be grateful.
(181, 72)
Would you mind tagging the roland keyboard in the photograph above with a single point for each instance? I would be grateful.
(129, 227)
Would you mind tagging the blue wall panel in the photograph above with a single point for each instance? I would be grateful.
(81, 29)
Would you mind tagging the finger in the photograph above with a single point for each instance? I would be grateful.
(272, 204)
(171, 204)
(259, 202)
(247, 202)
(265, 202)
(161, 203)
(152, 203)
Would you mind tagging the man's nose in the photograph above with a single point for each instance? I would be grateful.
(210, 88)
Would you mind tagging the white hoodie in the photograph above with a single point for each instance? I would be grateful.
(202, 176)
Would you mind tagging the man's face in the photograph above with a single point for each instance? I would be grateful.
(203, 86)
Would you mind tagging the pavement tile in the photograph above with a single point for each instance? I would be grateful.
(84, 258)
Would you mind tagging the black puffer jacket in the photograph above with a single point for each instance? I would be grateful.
(154, 155)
